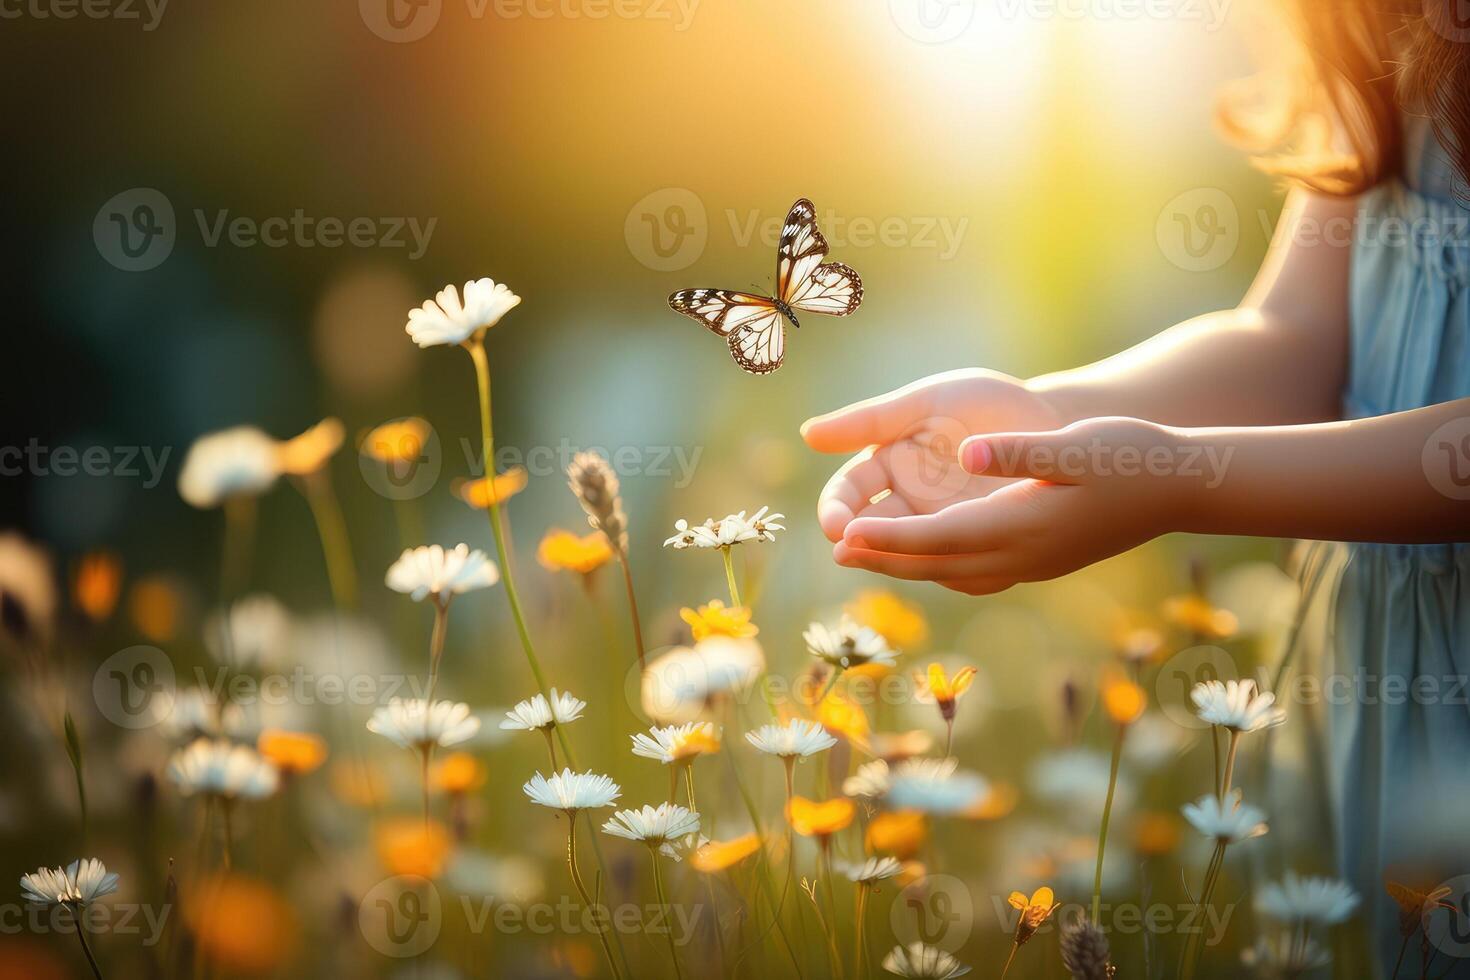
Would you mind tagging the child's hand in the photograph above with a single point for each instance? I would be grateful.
(1089, 491)
(907, 443)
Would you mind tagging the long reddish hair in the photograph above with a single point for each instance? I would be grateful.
(1326, 113)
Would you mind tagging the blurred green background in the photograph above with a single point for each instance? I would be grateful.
(1024, 170)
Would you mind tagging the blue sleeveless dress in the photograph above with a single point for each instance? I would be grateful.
(1389, 625)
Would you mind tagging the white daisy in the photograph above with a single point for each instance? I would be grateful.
(255, 631)
(688, 844)
(873, 869)
(430, 570)
(446, 319)
(1285, 955)
(1327, 901)
(726, 532)
(536, 714)
(848, 644)
(80, 883)
(654, 826)
(416, 724)
(921, 960)
(676, 743)
(871, 780)
(194, 712)
(572, 791)
(1236, 705)
(27, 588)
(935, 786)
(215, 767)
(242, 461)
(795, 738)
(1230, 821)
(678, 686)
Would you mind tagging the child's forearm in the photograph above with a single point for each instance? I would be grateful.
(1235, 367)
(1279, 358)
(1394, 478)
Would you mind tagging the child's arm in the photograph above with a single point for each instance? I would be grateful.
(1278, 358)
(1102, 486)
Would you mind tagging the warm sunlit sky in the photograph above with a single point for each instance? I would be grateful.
(1017, 172)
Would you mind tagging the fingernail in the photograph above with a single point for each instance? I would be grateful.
(975, 454)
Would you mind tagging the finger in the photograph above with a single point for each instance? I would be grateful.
(980, 586)
(849, 492)
(977, 525)
(1052, 456)
(874, 421)
(924, 568)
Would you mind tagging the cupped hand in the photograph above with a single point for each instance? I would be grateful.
(1079, 495)
(906, 444)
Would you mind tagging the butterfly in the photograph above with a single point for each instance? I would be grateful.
(752, 323)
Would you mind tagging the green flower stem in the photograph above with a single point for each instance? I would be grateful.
(1102, 833)
(1229, 765)
(633, 610)
(1192, 946)
(730, 576)
(824, 851)
(82, 938)
(476, 347)
(860, 959)
(238, 545)
(331, 529)
(658, 885)
(582, 888)
(436, 643)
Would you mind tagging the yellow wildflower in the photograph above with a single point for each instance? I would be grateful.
(564, 551)
(310, 451)
(714, 618)
(719, 855)
(292, 752)
(897, 620)
(97, 584)
(502, 486)
(812, 818)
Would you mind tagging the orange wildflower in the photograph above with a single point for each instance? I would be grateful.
(502, 486)
(811, 818)
(292, 752)
(564, 551)
(719, 855)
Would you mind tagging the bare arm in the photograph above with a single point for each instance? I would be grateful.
(1278, 358)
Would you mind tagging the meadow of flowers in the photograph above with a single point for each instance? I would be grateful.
(631, 784)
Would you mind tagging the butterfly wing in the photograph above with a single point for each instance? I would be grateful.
(803, 280)
(751, 323)
(759, 346)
